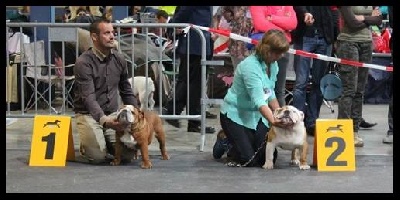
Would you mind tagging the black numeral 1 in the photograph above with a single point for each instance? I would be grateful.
(50, 139)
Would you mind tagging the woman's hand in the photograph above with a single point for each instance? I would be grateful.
(282, 124)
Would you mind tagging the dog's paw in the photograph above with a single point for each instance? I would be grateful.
(135, 155)
(295, 162)
(268, 165)
(165, 157)
(115, 162)
(304, 167)
(146, 165)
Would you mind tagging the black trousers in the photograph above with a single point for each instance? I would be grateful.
(181, 90)
(246, 142)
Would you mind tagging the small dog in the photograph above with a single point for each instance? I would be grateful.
(53, 124)
(138, 135)
(292, 138)
(139, 90)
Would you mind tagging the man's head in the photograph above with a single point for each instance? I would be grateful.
(102, 34)
(161, 16)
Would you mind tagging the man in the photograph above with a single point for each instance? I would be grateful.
(162, 16)
(101, 73)
(314, 34)
(202, 16)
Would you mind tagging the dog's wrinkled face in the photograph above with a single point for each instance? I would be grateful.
(125, 115)
(289, 114)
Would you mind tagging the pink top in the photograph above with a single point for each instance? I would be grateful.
(274, 17)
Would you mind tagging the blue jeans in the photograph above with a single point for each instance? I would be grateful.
(310, 103)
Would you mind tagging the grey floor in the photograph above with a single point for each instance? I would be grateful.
(192, 171)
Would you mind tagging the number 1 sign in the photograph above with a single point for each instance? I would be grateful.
(52, 142)
(334, 145)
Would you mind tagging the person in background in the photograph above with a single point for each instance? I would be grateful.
(240, 23)
(335, 14)
(314, 34)
(101, 75)
(388, 139)
(162, 16)
(190, 63)
(247, 110)
(276, 17)
(355, 44)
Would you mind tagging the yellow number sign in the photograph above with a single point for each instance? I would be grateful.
(334, 145)
(52, 142)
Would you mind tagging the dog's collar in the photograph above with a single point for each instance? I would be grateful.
(138, 125)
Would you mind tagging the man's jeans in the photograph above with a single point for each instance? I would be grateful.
(303, 70)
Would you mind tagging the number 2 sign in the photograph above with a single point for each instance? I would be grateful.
(334, 145)
(52, 142)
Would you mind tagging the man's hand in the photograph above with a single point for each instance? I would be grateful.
(360, 17)
(114, 124)
(308, 19)
(376, 12)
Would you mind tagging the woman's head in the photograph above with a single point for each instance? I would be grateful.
(272, 46)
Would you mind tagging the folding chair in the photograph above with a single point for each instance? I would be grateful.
(49, 77)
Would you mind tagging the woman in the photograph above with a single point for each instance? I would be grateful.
(354, 43)
(249, 103)
(276, 17)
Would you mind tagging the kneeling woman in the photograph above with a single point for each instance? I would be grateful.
(246, 113)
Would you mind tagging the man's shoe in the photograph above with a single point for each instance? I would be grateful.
(210, 115)
(388, 139)
(198, 129)
(364, 124)
(173, 122)
(221, 145)
(311, 130)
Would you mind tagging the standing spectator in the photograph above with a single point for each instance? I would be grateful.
(240, 23)
(101, 73)
(355, 44)
(202, 16)
(276, 17)
(388, 139)
(162, 16)
(246, 113)
(314, 34)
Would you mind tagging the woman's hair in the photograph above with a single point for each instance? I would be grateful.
(273, 41)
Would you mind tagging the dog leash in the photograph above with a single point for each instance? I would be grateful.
(235, 164)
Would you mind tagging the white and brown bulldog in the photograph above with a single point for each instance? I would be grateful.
(141, 126)
(291, 138)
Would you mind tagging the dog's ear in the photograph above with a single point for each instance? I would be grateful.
(301, 115)
(130, 107)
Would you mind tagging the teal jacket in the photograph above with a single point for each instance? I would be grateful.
(251, 89)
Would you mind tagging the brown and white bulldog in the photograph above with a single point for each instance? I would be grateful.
(291, 138)
(143, 125)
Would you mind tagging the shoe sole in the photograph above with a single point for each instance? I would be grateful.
(359, 144)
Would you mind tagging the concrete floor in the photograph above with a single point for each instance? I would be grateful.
(192, 171)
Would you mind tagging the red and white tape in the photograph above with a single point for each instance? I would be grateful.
(234, 36)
